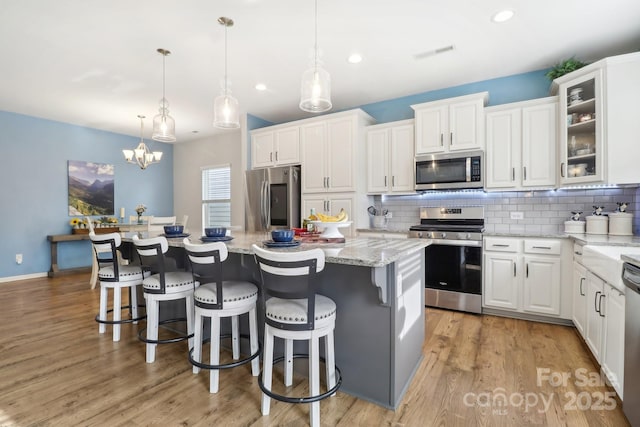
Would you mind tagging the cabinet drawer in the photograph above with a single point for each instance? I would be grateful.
(497, 244)
(549, 247)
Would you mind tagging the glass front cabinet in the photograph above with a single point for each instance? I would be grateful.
(581, 123)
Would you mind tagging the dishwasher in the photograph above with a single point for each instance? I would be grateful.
(631, 403)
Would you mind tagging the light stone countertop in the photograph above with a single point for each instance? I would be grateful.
(358, 251)
(633, 259)
(587, 239)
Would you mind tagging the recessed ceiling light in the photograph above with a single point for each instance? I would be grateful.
(355, 58)
(261, 86)
(502, 16)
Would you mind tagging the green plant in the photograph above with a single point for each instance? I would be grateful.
(564, 67)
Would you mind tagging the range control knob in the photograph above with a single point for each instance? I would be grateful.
(468, 236)
(419, 234)
(443, 235)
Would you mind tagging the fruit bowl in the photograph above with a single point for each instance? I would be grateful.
(330, 229)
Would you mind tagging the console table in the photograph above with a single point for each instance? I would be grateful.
(61, 238)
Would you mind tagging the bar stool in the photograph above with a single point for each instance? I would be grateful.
(163, 285)
(113, 275)
(216, 298)
(294, 311)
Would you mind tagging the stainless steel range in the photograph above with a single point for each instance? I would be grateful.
(454, 259)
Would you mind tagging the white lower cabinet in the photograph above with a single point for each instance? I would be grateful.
(603, 329)
(501, 280)
(593, 334)
(541, 284)
(523, 275)
(579, 297)
(613, 348)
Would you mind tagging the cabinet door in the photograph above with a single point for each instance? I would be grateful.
(337, 202)
(503, 148)
(314, 158)
(541, 285)
(501, 281)
(595, 287)
(262, 149)
(341, 155)
(287, 146)
(402, 159)
(317, 202)
(579, 314)
(377, 161)
(466, 129)
(431, 126)
(539, 145)
(581, 142)
(613, 349)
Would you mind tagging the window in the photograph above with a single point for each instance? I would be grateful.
(216, 196)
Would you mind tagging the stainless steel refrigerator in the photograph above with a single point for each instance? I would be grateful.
(272, 198)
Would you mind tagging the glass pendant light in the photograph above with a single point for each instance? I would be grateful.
(315, 90)
(225, 108)
(142, 155)
(164, 127)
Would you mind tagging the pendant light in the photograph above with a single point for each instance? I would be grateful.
(164, 127)
(315, 90)
(225, 108)
(142, 155)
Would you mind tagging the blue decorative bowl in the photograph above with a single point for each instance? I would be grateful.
(282, 235)
(173, 229)
(215, 231)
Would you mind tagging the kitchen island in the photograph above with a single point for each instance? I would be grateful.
(378, 288)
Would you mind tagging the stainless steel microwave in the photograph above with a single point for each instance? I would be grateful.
(450, 171)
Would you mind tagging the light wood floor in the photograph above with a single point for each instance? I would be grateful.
(55, 369)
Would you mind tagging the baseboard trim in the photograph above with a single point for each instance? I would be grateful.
(23, 277)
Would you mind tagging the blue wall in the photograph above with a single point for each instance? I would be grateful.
(33, 187)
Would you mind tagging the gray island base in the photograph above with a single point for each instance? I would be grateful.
(378, 287)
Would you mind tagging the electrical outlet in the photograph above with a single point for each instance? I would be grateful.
(18, 258)
(517, 215)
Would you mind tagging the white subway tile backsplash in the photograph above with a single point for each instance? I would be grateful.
(544, 211)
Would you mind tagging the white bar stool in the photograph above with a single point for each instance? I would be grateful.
(113, 275)
(216, 298)
(163, 285)
(294, 311)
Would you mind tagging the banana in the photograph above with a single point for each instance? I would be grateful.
(313, 217)
(340, 217)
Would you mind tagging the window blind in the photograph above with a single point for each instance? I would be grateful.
(216, 196)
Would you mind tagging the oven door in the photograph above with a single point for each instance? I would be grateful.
(454, 275)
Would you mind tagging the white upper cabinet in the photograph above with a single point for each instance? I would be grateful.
(332, 152)
(599, 121)
(521, 144)
(390, 158)
(450, 124)
(275, 146)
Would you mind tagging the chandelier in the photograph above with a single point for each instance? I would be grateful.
(164, 127)
(315, 90)
(141, 155)
(225, 108)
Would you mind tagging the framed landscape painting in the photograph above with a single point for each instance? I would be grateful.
(90, 188)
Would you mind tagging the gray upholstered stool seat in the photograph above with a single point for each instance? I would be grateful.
(294, 311)
(217, 299)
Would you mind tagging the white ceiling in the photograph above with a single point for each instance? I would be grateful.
(94, 62)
